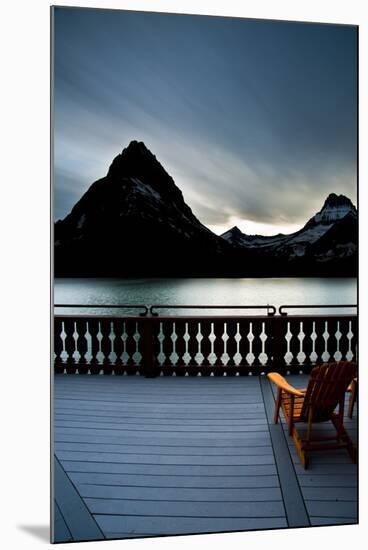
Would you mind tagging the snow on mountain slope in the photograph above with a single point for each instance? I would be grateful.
(235, 236)
(331, 214)
(335, 209)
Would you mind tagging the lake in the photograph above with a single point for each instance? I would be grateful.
(215, 291)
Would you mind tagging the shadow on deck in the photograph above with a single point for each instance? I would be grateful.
(140, 457)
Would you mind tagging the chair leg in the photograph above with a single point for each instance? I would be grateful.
(352, 398)
(291, 415)
(309, 428)
(344, 436)
(277, 406)
(300, 448)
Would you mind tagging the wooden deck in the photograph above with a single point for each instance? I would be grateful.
(140, 457)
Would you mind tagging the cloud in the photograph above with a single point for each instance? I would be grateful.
(253, 120)
(220, 186)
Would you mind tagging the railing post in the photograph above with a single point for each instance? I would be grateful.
(148, 357)
(278, 343)
(58, 345)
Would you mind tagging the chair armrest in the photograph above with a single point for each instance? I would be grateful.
(352, 385)
(281, 383)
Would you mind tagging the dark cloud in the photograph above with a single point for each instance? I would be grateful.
(255, 120)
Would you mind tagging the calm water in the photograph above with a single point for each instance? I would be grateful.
(275, 291)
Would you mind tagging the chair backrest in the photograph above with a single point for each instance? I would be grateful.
(326, 387)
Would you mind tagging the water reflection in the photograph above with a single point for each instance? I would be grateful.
(275, 291)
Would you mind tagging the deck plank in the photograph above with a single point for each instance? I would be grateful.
(60, 531)
(176, 508)
(332, 508)
(330, 493)
(254, 426)
(310, 480)
(296, 512)
(166, 525)
(251, 418)
(215, 441)
(178, 482)
(172, 460)
(235, 494)
(165, 450)
(73, 510)
(168, 469)
(317, 521)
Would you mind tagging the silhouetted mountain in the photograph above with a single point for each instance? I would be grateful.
(135, 222)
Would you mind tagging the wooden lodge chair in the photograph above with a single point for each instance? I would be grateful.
(317, 403)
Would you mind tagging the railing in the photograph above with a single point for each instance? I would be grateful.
(201, 345)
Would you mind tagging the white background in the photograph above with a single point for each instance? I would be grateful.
(25, 273)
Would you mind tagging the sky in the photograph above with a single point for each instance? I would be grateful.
(254, 120)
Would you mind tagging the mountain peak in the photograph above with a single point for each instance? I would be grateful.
(235, 230)
(334, 200)
(137, 147)
(233, 234)
(134, 143)
(335, 208)
(135, 159)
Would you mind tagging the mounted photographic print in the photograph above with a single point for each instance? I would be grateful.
(205, 262)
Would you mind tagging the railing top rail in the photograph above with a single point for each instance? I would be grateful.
(160, 318)
(106, 306)
(271, 310)
(314, 306)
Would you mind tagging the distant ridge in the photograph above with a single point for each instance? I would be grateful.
(135, 222)
(332, 232)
